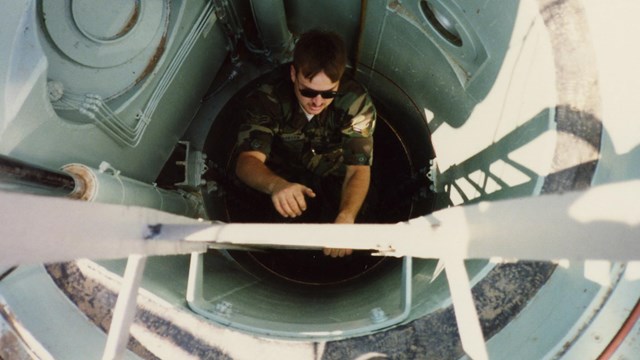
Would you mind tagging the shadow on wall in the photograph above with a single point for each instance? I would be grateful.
(580, 143)
(435, 336)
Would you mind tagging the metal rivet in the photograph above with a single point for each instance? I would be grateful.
(223, 308)
(378, 315)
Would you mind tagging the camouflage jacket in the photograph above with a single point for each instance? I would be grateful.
(275, 124)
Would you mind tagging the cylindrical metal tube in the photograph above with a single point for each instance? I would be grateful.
(82, 182)
(112, 188)
(16, 175)
(271, 20)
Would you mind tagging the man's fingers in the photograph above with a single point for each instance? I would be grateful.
(290, 201)
(279, 208)
(282, 206)
(287, 206)
(299, 198)
(309, 192)
(294, 206)
(334, 253)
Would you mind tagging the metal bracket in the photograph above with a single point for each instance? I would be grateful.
(221, 311)
(195, 165)
(433, 175)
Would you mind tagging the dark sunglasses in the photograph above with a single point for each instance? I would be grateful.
(308, 93)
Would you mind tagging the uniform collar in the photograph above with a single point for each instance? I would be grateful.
(308, 116)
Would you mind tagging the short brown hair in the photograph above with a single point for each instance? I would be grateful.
(318, 51)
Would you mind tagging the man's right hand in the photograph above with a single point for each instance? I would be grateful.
(289, 198)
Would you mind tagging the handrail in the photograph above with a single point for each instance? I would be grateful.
(21, 176)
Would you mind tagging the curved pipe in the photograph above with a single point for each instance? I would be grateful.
(622, 334)
(362, 21)
(271, 20)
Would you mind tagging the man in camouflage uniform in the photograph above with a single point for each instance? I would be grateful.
(306, 129)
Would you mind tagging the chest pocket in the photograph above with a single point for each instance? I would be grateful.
(324, 140)
(326, 153)
(293, 142)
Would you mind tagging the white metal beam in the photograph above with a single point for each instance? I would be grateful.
(465, 310)
(40, 229)
(125, 310)
(600, 223)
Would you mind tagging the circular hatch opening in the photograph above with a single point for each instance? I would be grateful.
(396, 186)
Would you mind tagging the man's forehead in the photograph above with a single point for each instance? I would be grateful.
(320, 81)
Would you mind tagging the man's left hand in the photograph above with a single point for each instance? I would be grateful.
(341, 219)
(337, 252)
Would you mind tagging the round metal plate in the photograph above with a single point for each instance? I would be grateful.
(103, 34)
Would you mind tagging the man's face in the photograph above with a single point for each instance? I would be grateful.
(319, 83)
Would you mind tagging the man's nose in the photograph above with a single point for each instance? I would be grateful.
(317, 100)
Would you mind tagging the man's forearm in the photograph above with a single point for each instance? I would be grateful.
(253, 172)
(354, 192)
(288, 198)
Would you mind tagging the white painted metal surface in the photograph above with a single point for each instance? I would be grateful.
(594, 224)
(599, 223)
(38, 229)
(125, 310)
(467, 319)
(49, 325)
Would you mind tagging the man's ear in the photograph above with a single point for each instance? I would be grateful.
(293, 73)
